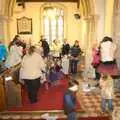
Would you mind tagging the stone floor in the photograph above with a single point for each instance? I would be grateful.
(89, 101)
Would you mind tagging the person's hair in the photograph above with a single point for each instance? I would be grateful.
(106, 38)
(31, 50)
(17, 43)
(105, 76)
(72, 83)
(16, 36)
(76, 41)
(54, 40)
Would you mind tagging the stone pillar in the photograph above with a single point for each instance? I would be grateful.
(116, 35)
(116, 39)
(91, 23)
(4, 29)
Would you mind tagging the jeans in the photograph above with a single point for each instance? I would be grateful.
(104, 102)
(73, 66)
(71, 116)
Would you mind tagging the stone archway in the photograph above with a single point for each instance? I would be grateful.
(6, 8)
(87, 12)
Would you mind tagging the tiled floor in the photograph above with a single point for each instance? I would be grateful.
(90, 101)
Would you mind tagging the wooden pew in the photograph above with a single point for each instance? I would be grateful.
(10, 90)
(2, 95)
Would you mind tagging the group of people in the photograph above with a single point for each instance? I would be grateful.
(106, 70)
(52, 61)
(40, 61)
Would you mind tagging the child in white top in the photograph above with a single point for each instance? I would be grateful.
(65, 65)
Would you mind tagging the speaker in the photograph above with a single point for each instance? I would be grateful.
(21, 4)
(77, 16)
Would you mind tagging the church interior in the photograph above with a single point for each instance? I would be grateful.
(86, 22)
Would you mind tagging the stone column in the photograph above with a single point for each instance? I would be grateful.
(116, 39)
(91, 23)
(4, 29)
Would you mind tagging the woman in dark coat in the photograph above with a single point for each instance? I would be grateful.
(75, 52)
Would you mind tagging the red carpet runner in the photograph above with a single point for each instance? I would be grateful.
(51, 99)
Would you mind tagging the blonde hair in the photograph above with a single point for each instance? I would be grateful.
(106, 76)
(31, 50)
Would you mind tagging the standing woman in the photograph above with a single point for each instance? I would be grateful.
(45, 46)
(107, 51)
(14, 55)
(31, 71)
(3, 55)
(39, 49)
(56, 49)
(3, 52)
(75, 52)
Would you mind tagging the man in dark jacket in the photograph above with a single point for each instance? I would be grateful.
(45, 46)
(65, 48)
(69, 102)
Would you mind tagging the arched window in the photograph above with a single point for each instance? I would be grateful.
(53, 23)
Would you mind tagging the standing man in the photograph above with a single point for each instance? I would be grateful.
(69, 102)
(65, 48)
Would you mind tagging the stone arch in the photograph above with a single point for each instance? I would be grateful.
(88, 16)
(87, 11)
(116, 19)
(86, 7)
(8, 6)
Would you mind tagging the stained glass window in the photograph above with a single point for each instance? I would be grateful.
(53, 24)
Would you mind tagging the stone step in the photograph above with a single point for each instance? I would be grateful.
(34, 115)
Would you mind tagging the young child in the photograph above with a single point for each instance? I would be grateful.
(69, 100)
(106, 85)
(65, 65)
(58, 69)
(52, 76)
(54, 73)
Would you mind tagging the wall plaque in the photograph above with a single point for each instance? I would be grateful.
(24, 25)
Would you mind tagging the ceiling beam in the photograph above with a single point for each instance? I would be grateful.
(47, 0)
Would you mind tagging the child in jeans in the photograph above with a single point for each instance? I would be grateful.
(106, 84)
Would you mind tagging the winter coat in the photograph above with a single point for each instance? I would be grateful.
(65, 49)
(69, 102)
(3, 52)
(75, 51)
